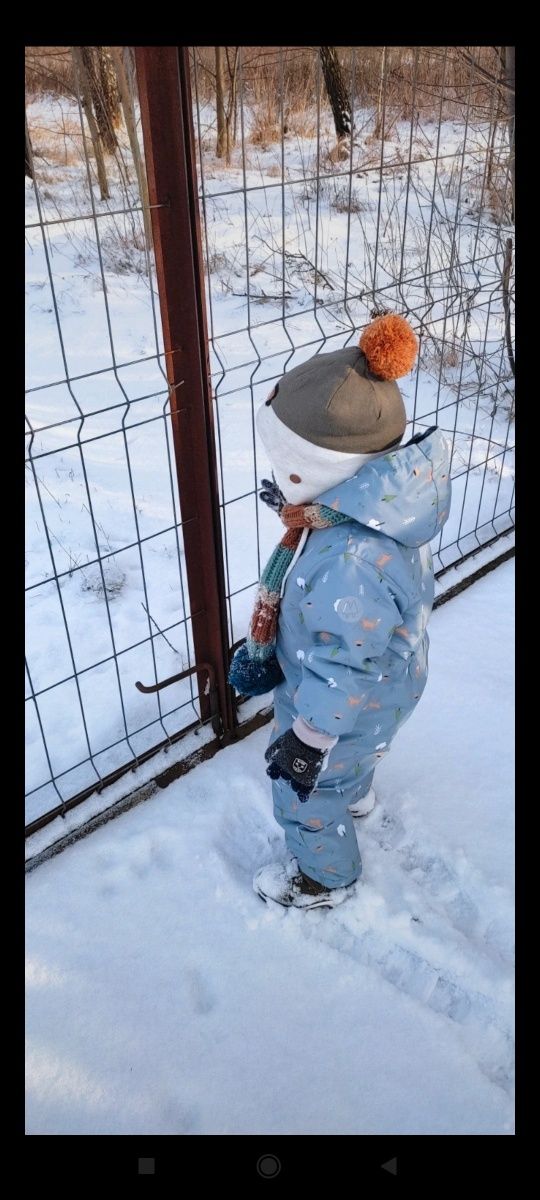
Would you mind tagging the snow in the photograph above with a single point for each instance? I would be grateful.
(165, 997)
(128, 614)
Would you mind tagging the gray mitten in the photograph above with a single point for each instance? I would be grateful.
(291, 759)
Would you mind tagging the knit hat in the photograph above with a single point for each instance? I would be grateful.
(348, 400)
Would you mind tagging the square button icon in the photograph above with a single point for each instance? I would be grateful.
(147, 1166)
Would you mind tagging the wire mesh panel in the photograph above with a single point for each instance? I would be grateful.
(333, 183)
(340, 182)
(107, 596)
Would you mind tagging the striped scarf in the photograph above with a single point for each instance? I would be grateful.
(261, 640)
(255, 670)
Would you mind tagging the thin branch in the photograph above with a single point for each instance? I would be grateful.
(150, 617)
(491, 78)
(506, 302)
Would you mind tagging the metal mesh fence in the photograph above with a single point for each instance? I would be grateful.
(107, 600)
(304, 235)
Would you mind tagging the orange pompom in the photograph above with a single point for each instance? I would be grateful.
(390, 346)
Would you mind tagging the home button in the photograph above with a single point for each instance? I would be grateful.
(268, 1166)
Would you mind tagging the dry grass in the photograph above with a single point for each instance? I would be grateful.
(499, 202)
(264, 128)
(413, 83)
(61, 144)
(216, 260)
(48, 69)
(58, 145)
(450, 356)
(301, 123)
(123, 252)
(288, 78)
(345, 203)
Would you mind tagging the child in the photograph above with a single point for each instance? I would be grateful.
(339, 625)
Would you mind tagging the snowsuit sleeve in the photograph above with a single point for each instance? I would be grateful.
(351, 617)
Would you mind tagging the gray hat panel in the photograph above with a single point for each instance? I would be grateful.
(333, 401)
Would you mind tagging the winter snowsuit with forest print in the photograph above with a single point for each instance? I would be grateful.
(352, 640)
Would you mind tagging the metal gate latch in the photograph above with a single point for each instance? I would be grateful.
(210, 690)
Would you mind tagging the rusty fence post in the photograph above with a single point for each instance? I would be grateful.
(166, 115)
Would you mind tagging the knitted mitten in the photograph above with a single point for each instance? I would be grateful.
(253, 678)
(293, 760)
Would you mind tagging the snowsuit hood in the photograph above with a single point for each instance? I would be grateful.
(405, 494)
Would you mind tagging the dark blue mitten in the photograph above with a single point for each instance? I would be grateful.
(252, 678)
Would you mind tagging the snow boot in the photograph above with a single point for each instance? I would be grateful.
(284, 883)
(364, 805)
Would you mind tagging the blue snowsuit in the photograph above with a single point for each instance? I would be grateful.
(352, 641)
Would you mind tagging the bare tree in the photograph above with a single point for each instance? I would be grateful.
(510, 64)
(221, 143)
(104, 91)
(27, 157)
(491, 151)
(506, 272)
(85, 91)
(124, 78)
(109, 96)
(336, 91)
(225, 115)
(230, 114)
(503, 79)
(380, 97)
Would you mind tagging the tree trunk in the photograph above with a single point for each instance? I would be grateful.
(380, 98)
(85, 90)
(104, 94)
(128, 62)
(221, 143)
(126, 97)
(27, 157)
(336, 91)
(507, 268)
(510, 52)
(230, 115)
(491, 153)
(109, 91)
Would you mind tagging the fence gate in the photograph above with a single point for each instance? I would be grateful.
(126, 614)
(163, 302)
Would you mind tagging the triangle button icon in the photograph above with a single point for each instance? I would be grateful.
(390, 1166)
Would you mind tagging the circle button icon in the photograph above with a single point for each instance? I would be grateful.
(268, 1166)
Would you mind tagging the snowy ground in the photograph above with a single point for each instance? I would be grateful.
(165, 997)
(104, 551)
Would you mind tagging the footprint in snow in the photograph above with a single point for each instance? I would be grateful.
(112, 883)
(161, 851)
(177, 1116)
(247, 839)
(500, 935)
(477, 1013)
(202, 993)
(387, 829)
(440, 880)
